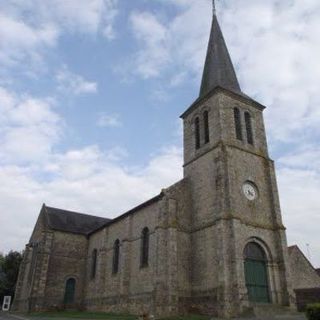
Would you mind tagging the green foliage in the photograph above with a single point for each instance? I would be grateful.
(9, 269)
(313, 311)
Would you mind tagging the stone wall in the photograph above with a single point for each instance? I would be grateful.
(67, 260)
(131, 289)
(28, 268)
(303, 274)
(198, 230)
(223, 220)
(50, 259)
(153, 289)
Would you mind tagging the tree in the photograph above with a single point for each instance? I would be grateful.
(2, 278)
(9, 269)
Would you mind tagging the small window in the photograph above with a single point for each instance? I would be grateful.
(197, 132)
(206, 127)
(237, 123)
(94, 263)
(116, 255)
(248, 121)
(144, 248)
(33, 252)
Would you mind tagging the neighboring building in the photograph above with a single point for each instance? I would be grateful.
(318, 272)
(304, 278)
(303, 274)
(212, 243)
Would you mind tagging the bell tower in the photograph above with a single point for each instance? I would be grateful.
(239, 247)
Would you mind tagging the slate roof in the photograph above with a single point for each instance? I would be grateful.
(218, 69)
(73, 222)
(318, 271)
(130, 212)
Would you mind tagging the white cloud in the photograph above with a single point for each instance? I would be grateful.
(274, 46)
(109, 120)
(299, 195)
(84, 16)
(72, 15)
(86, 180)
(28, 127)
(28, 28)
(307, 158)
(70, 82)
(173, 43)
(21, 41)
(153, 35)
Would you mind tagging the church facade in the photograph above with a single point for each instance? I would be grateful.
(213, 243)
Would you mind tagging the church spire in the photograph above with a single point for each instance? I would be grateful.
(218, 69)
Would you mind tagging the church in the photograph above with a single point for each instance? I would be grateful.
(213, 243)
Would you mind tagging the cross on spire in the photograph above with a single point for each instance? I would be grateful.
(214, 7)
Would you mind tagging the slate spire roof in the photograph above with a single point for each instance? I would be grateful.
(218, 70)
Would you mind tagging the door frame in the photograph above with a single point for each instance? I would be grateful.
(65, 290)
(267, 263)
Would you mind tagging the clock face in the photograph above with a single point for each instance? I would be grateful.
(250, 191)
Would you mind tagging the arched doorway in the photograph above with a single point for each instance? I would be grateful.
(70, 291)
(255, 265)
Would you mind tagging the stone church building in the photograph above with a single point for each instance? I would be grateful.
(212, 243)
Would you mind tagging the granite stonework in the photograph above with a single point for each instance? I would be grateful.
(198, 228)
(303, 275)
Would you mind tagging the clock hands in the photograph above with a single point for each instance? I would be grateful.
(250, 193)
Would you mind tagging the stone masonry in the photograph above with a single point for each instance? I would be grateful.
(199, 229)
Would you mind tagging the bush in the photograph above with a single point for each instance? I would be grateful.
(313, 311)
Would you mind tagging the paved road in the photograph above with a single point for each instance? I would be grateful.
(8, 316)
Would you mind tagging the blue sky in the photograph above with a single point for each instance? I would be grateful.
(91, 93)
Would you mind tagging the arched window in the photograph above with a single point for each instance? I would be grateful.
(197, 132)
(237, 123)
(144, 248)
(94, 263)
(206, 127)
(116, 255)
(247, 118)
(69, 291)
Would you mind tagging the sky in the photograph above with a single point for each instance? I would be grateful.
(91, 93)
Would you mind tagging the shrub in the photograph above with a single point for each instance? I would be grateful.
(313, 311)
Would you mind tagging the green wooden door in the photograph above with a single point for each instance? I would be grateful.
(257, 281)
(69, 292)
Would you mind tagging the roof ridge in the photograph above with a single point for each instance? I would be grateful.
(75, 212)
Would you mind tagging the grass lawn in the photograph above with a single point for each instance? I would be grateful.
(189, 317)
(102, 316)
(81, 315)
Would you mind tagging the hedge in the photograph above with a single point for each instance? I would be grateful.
(313, 311)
